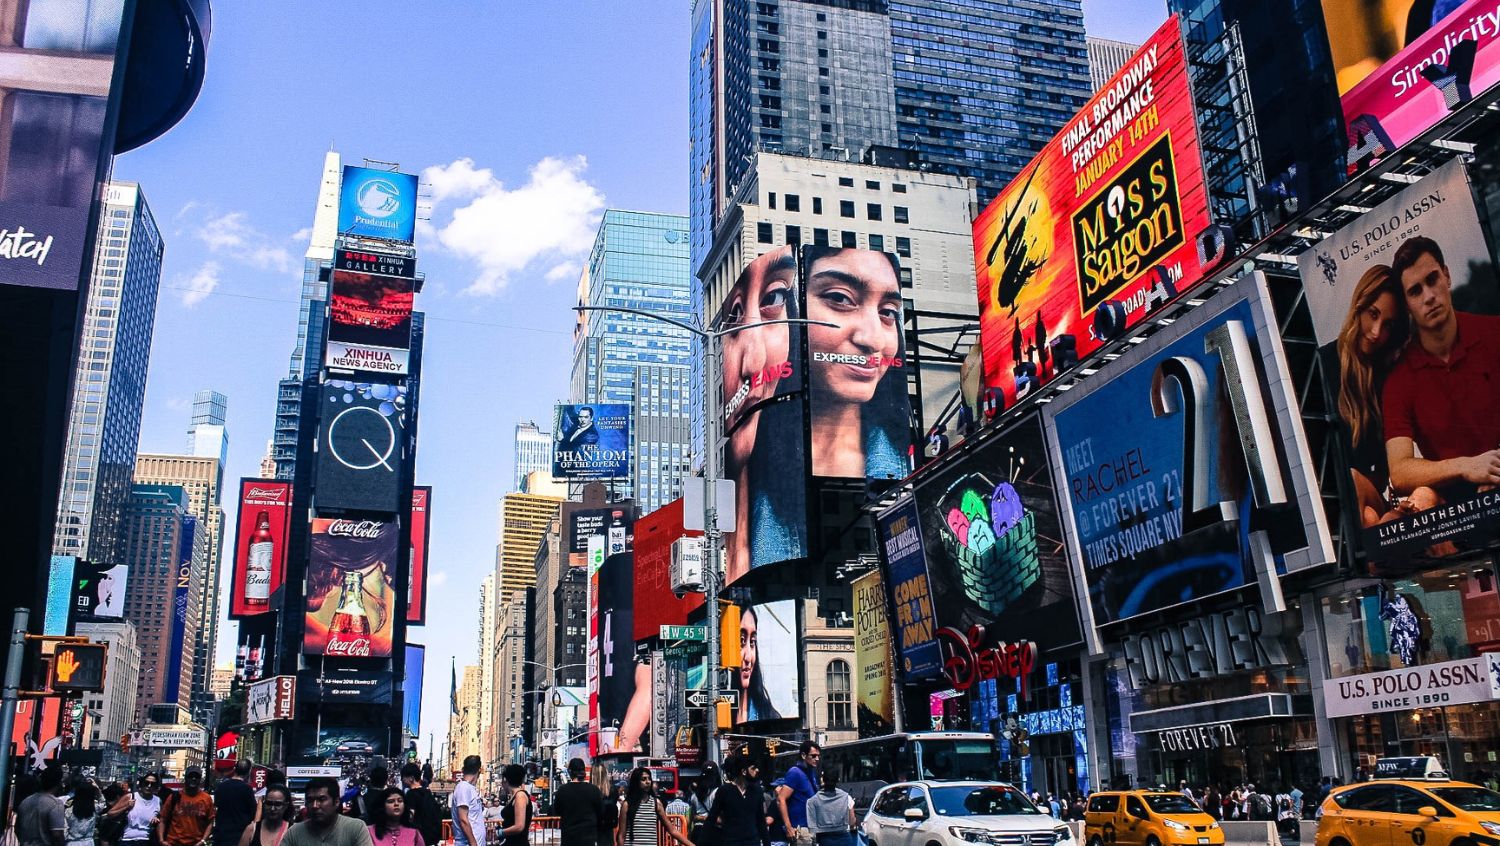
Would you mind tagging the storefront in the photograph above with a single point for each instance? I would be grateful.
(1414, 669)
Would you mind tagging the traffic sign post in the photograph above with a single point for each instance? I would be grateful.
(700, 698)
(692, 633)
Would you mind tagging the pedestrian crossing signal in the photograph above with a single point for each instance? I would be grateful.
(78, 667)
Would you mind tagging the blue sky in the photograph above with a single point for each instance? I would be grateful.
(526, 119)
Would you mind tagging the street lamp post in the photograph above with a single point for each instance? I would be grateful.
(713, 353)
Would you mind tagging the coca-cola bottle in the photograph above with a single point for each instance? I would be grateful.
(258, 562)
(349, 633)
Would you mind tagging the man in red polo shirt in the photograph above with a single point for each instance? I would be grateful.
(1443, 396)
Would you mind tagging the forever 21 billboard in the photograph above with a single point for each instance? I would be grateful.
(360, 441)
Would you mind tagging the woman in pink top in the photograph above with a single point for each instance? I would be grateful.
(393, 821)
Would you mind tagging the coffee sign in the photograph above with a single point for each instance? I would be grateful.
(1434, 685)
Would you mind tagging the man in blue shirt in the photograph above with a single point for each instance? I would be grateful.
(800, 785)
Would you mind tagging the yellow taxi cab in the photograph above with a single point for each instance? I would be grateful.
(1148, 818)
(1429, 811)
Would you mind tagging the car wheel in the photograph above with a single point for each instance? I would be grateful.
(1462, 841)
(1152, 841)
(1096, 841)
(1338, 841)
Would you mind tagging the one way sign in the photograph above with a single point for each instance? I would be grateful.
(698, 698)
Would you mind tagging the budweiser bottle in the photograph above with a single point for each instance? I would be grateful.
(349, 633)
(258, 562)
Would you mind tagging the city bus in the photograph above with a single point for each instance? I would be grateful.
(865, 766)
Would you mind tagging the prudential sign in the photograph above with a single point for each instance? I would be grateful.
(378, 204)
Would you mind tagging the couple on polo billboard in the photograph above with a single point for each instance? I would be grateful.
(856, 397)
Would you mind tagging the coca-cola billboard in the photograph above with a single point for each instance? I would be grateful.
(416, 585)
(259, 546)
(351, 597)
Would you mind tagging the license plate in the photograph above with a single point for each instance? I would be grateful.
(1203, 840)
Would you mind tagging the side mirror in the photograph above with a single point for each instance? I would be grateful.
(917, 815)
(1427, 811)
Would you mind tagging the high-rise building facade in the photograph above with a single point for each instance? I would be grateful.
(639, 260)
(511, 675)
(463, 724)
(114, 706)
(488, 666)
(109, 389)
(166, 549)
(533, 452)
(1106, 57)
(523, 523)
(206, 435)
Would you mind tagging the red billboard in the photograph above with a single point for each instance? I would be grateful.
(655, 604)
(416, 582)
(259, 546)
(369, 326)
(1099, 229)
(350, 594)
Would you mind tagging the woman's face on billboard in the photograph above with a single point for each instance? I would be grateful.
(858, 291)
(755, 360)
(749, 647)
(1376, 323)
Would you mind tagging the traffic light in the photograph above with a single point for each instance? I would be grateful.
(78, 667)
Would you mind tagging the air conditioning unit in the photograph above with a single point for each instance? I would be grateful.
(687, 565)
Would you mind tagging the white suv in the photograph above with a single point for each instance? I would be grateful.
(958, 813)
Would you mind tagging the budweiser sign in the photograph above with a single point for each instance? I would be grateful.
(275, 495)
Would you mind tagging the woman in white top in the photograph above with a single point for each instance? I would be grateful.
(144, 812)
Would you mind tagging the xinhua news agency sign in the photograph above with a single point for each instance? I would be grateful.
(1432, 685)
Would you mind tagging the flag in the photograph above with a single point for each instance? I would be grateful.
(453, 689)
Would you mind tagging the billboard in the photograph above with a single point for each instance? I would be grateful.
(270, 700)
(421, 535)
(1186, 471)
(582, 524)
(369, 323)
(624, 676)
(899, 532)
(860, 408)
(996, 561)
(764, 422)
(593, 441)
(99, 589)
(260, 542)
(1099, 229)
(380, 264)
(1391, 294)
(1404, 65)
(873, 683)
(59, 594)
(342, 684)
(767, 682)
(360, 446)
(411, 691)
(182, 585)
(378, 204)
(350, 596)
(655, 604)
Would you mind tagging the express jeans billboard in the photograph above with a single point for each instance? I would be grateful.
(351, 599)
(1186, 468)
(769, 665)
(593, 441)
(378, 204)
(360, 445)
(369, 323)
(1404, 303)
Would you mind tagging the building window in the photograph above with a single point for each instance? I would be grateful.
(877, 243)
(825, 109)
(840, 704)
(846, 182)
(898, 187)
(903, 247)
(763, 232)
(771, 199)
(906, 277)
(846, 240)
(827, 127)
(820, 237)
(817, 205)
(872, 184)
(794, 234)
(900, 214)
(822, 71)
(846, 208)
(793, 202)
(823, 90)
(872, 211)
(822, 53)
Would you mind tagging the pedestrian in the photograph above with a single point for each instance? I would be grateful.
(117, 802)
(830, 813)
(234, 805)
(1213, 803)
(187, 817)
(275, 819)
(515, 816)
(737, 810)
(1297, 800)
(644, 814)
(701, 798)
(82, 815)
(144, 810)
(426, 813)
(799, 785)
(679, 807)
(392, 825)
(1053, 806)
(324, 825)
(579, 807)
(377, 781)
(1182, 787)
(39, 817)
(466, 808)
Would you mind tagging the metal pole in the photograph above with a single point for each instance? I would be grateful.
(712, 348)
(10, 693)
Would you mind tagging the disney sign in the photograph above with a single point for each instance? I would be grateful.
(966, 659)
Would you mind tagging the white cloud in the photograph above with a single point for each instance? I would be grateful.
(564, 271)
(230, 235)
(438, 578)
(302, 235)
(197, 287)
(550, 220)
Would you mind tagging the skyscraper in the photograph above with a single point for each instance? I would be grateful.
(206, 435)
(1106, 57)
(105, 421)
(533, 452)
(639, 260)
(523, 523)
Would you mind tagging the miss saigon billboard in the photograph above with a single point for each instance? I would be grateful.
(1099, 229)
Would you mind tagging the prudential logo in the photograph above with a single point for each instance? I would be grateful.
(378, 199)
(378, 204)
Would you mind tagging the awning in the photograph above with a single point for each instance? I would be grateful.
(1260, 706)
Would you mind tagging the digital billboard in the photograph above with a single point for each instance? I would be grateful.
(345, 684)
(99, 589)
(1185, 470)
(363, 427)
(1403, 65)
(369, 323)
(624, 676)
(655, 604)
(380, 264)
(1392, 294)
(764, 424)
(873, 683)
(378, 204)
(996, 560)
(421, 535)
(899, 533)
(411, 693)
(584, 523)
(860, 408)
(768, 680)
(182, 586)
(1099, 229)
(259, 546)
(592, 441)
(351, 599)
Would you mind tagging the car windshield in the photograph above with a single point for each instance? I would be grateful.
(980, 801)
(1469, 798)
(950, 760)
(1171, 803)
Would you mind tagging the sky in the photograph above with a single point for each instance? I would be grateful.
(526, 120)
